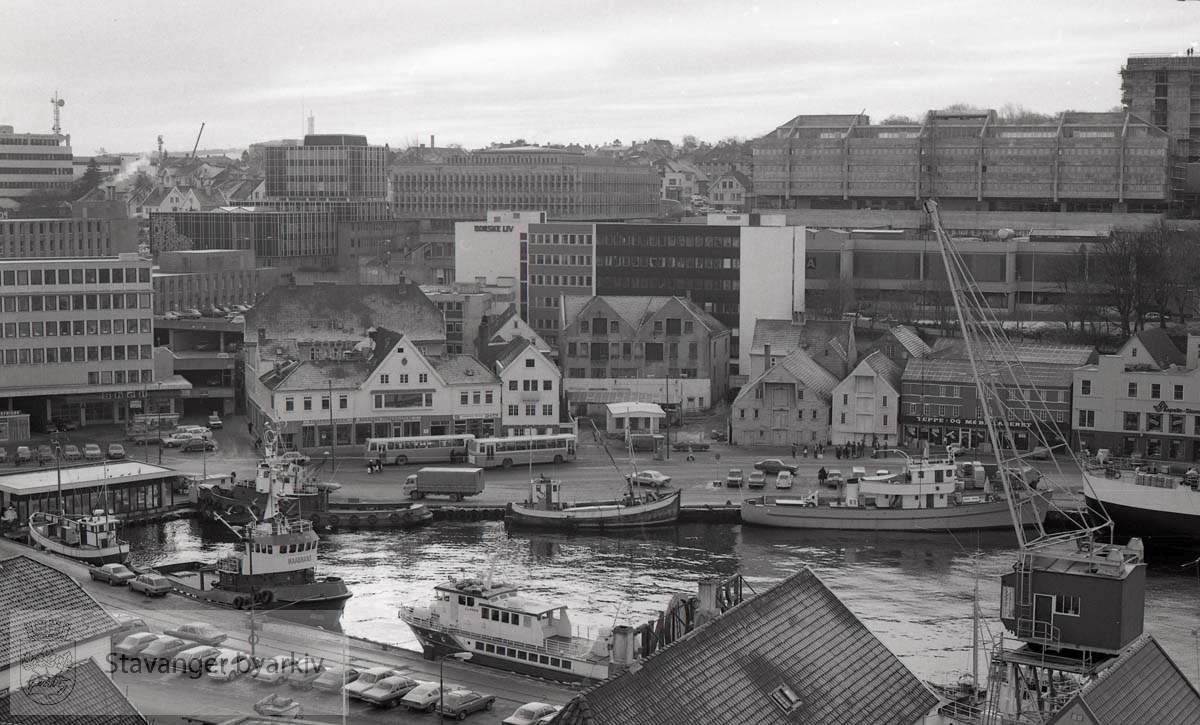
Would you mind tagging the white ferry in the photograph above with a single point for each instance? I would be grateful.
(502, 629)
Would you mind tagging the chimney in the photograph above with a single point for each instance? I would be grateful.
(431, 141)
(622, 653)
(708, 609)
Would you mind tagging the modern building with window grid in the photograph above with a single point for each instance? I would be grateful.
(76, 340)
(335, 167)
(32, 162)
(69, 238)
(283, 238)
(1165, 89)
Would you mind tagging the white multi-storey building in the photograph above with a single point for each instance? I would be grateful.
(32, 162)
(866, 405)
(530, 387)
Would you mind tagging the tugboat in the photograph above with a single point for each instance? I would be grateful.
(545, 509)
(92, 539)
(502, 629)
(275, 568)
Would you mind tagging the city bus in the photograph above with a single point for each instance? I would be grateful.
(521, 450)
(419, 449)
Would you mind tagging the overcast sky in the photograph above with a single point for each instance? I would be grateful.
(476, 71)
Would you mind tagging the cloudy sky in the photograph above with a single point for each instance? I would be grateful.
(475, 71)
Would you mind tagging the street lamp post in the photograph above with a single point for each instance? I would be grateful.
(463, 656)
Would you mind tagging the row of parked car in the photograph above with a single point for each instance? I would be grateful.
(226, 311)
(68, 453)
(194, 650)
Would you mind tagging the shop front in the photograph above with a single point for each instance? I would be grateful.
(128, 488)
(971, 433)
(316, 434)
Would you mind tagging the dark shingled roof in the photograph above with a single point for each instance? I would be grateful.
(803, 368)
(497, 323)
(503, 354)
(32, 593)
(1143, 687)
(798, 634)
(459, 369)
(345, 312)
(884, 367)
(93, 700)
(1161, 348)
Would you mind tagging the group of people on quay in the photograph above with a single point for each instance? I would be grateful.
(847, 450)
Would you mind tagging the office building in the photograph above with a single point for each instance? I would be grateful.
(77, 340)
(276, 238)
(666, 348)
(1144, 400)
(565, 183)
(1163, 89)
(32, 162)
(333, 167)
(199, 279)
(67, 238)
(1085, 162)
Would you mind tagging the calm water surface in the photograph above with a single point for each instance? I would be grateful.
(913, 591)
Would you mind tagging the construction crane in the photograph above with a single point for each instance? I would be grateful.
(197, 145)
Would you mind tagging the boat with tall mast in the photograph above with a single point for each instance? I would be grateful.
(91, 538)
(1074, 600)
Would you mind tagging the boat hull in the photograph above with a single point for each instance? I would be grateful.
(214, 504)
(1161, 515)
(663, 512)
(436, 643)
(96, 556)
(966, 517)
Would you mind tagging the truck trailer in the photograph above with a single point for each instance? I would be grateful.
(457, 483)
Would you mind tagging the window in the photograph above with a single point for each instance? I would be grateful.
(487, 397)
(463, 398)
(614, 327)
(1132, 421)
(1176, 424)
(845, 400)
(1066, 605)
(1154, 422)
(514, 410)
(343, 402)
(423, 378)
(1178, 393)
(404, 378)
(843, 419)
(530, 409)
(1133, 390)
(475, 397)
(308, 403)
(1155, 390)
(1085, 387)
(786, 699)
(547, 410)
(529, 363)
(383, 379)
(324, 402)
(1087, 419)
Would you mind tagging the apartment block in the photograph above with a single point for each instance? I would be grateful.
(32, 162)
(67, 238)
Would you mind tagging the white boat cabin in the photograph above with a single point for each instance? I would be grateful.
(924, 484)
(96, 531)
(498, 611)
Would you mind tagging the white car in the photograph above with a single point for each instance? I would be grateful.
(650, 478)
(274, 670)
(367, 680)
(229, 664)
(176, 439)
(529, 714)
(424, 696)
(783, 479)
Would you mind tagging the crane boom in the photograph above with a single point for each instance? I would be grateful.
(197, 144)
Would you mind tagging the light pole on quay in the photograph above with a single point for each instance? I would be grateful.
(463, 656)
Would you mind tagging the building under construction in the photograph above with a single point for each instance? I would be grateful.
(1165, 88)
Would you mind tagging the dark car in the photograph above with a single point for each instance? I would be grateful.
(460, 703)
(774, 465)
(198, 444)
(45, 454)
(690, 446)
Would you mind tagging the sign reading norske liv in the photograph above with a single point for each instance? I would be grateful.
(493, 227)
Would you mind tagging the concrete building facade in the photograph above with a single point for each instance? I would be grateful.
(32, 162)
(530, 389)
(1162, 88)
(335, 167)
(199, 279)
(67, 238)
(276, 238)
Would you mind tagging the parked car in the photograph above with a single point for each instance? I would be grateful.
(757, 479)
(134, 644)
(733, 479)
(783, 479)
(50, 429)
(45, 454)
(276, 705)
(461, 703)
(71, 452)
(529, 713)
(116, 451)
(194, 661)
(114, 574)
(92, 452)
(190, 314)
(367, 679)
(197, 444)
(24, 455)
(176, 439)
(171, 315)
(163, 648)
(774, 465)
(200, 632)
(423, 697)
(718, 435)
(273, 669)
(151, 585)
(229, 664)
(690, 446)
(334, 678)
(303, 671)
(1157, 317)
(214, 421)
(65, 424)
(389, 691)
(197, 431)
(127, 624)
(649, 478)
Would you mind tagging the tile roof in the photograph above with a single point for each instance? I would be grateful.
(958, 370)
(497, 323)
(30, 591)
(798, 634)
(636, 310)
(911, 341)
(785, 336)
(94, 699)
(463, 369)
(884, 367)
(1161, 347)
(1025, 352)
(505, 353)
(319, 374)
(802, 367)
(1143, 687)
(345, 312)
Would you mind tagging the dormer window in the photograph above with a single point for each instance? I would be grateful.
(786, 699)
(1133, 352)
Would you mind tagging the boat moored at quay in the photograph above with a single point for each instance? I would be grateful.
(930, 494)
(545, 509)
(1155, 502)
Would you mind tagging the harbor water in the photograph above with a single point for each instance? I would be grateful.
(914, 591)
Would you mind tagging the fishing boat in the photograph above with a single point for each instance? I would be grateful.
(930, 494)
(274, 567)
(93, 539)
(545, 509)
(1161, 505)
(501, 628)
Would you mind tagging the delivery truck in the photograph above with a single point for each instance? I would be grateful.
(453, 482)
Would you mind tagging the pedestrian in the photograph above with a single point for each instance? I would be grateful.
(822, 475)
(838, 452)
(806, 451)
(232, 477)
(793, 451)
(370, 466)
